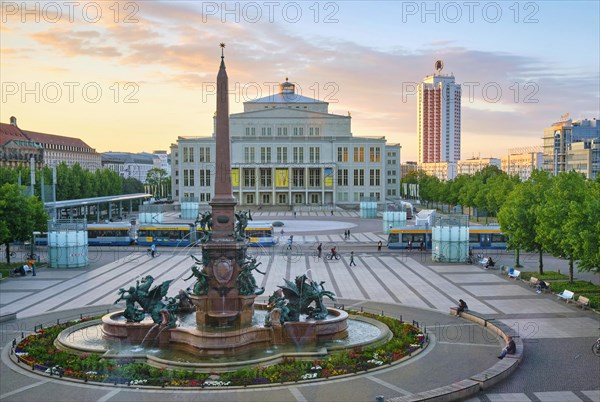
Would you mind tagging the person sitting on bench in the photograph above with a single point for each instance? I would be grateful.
(462, 306)
(541, 286)
(510, 348)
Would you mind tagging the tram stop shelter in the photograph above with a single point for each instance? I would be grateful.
(103, 208)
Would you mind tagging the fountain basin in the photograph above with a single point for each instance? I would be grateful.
(219, 351)
(230, 340)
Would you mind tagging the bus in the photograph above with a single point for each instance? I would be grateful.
(260, 234)
(170, 235)
(109, 234)
(480, 237)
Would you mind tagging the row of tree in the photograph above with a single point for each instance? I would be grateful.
(21, 214)
(555, 214)
(74, 182)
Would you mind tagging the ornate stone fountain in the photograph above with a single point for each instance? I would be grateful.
(225, 289)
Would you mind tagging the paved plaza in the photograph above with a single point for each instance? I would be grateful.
(558, 364)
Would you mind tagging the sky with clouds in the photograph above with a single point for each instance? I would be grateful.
(135, 75)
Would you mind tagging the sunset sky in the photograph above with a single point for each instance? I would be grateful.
(135, 75)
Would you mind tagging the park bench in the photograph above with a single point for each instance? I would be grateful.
(583, 302)
(514, 274)
(533, 282)
(566, 295)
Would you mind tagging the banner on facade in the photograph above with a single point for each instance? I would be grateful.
(281, 178)
(235, 177)
(328, 177)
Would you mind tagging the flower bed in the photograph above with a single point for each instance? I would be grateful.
(38, 351)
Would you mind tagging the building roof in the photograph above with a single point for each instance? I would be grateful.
(56, 139)
(96, 200)
(285, 98)
(8, 133)
(128, 157)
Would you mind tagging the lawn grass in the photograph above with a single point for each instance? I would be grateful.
(580, 288)
(548, 275)
(6, 268)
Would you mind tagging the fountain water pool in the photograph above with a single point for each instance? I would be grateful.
(89, 337)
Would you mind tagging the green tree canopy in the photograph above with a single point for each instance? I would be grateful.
(560, 216)
(20, 215)
(519, 214)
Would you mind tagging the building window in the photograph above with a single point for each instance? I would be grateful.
(266, 178)
(298, 199)
(359, 154)
(298, 177)
(342, 154)
(282, 155)
(204, 155)
(314, 154)
(314, 177)
(249, 154)
(249, 198)
(314, 198)
(188, 154)
(265, 154)
(359, 177)
(204, 177)
(298, 155)
(342, 175)
(249, 177)
(282, 199)
(265, 199)
(374, 177)
(374, 154)
(188, 177)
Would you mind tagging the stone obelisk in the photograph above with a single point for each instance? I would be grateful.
(223, 203)
(223, 255)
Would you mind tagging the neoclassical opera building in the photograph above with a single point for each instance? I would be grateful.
(288, 150)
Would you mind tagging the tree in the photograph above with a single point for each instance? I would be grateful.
(157, 180)
(131, 185)
(519, 215)
(584, 225)
(557, 229)
(20, 215)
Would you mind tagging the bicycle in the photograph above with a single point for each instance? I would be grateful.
(149, 253)
(331, 256)
(596, 347)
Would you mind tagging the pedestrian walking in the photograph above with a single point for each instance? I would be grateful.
(379, 245)
(352, 259)
(319, 250)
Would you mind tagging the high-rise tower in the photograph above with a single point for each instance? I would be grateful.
(438, 119)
